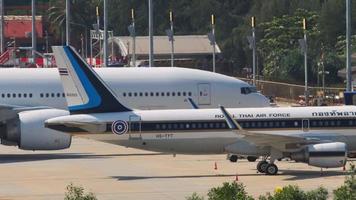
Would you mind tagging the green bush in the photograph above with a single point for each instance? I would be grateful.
(295, 193)
(77, 193)
(195, 196)
(233, 191)
(348, 190)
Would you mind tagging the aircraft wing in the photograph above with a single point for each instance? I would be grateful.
(8, 111)
(278, 141)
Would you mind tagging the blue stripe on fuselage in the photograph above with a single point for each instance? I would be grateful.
(94, 98)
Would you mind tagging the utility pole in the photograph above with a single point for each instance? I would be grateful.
(105, 55)
(67, 22)
(213, 39)
(33, 8)
(253, 50)
(132, 31)
(349, 86)
(150, 32)
(2, 48)
(170, 34)
(306, 92)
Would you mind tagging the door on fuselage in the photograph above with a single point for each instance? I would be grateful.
(305, 125)
(204, 94)
(135, 127)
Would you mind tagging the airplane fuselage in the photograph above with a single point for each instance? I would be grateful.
(205, 131)
(140, 88)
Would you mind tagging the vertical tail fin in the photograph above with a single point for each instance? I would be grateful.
(84, 90)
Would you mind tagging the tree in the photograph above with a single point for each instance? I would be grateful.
(77, 193)
(279, 45)
(82, 15)
(233, 191)
(348, 190)
(195, 196)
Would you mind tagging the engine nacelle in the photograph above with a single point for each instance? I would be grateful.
(29, 133)
(326, 155)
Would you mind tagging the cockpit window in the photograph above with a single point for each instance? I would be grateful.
(248, 90)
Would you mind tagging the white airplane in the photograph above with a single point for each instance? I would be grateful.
(142, 88)
(318, 136)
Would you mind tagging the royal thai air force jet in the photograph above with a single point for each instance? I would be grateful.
(26, 92)
(318, 136)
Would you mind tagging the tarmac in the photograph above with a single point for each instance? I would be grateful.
(115, 172)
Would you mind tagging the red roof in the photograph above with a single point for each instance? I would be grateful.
(21, 26)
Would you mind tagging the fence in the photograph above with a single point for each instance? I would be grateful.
(293, 92)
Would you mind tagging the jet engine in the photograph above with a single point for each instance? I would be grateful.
(27, 131)
(326, 155)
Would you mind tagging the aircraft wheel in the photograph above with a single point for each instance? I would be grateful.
(233, 158)
(271, 169)
(251, 158)
(262, 166)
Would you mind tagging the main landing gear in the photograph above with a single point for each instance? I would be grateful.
(267, 168)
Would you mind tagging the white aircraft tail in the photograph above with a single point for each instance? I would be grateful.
(84, 90)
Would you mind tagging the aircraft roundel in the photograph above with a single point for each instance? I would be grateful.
(119, 127)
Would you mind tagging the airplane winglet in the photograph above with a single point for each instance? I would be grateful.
(230, 120)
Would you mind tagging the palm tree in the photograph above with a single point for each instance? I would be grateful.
(82, 17)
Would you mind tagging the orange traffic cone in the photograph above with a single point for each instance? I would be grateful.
(216, 166)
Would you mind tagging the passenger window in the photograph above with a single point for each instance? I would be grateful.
(63, 95)
(41, 95)
(130, 94)
(151, 94)
(178, 94)
(124, 94)
(253, 124)
(30, 95)
(8, 95)
(277, 124)
(283, 124)
(270, 124)
(24, 95)
(135, 94)
(141, 94)
(3, 95)
(162, 94)
(19, 95)
(157, 94)
(189, 94)
(168, 94)
(184, 94)
(52, 95)
(14, 95)
(173, 94)
(58, 94)
(47, 95)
